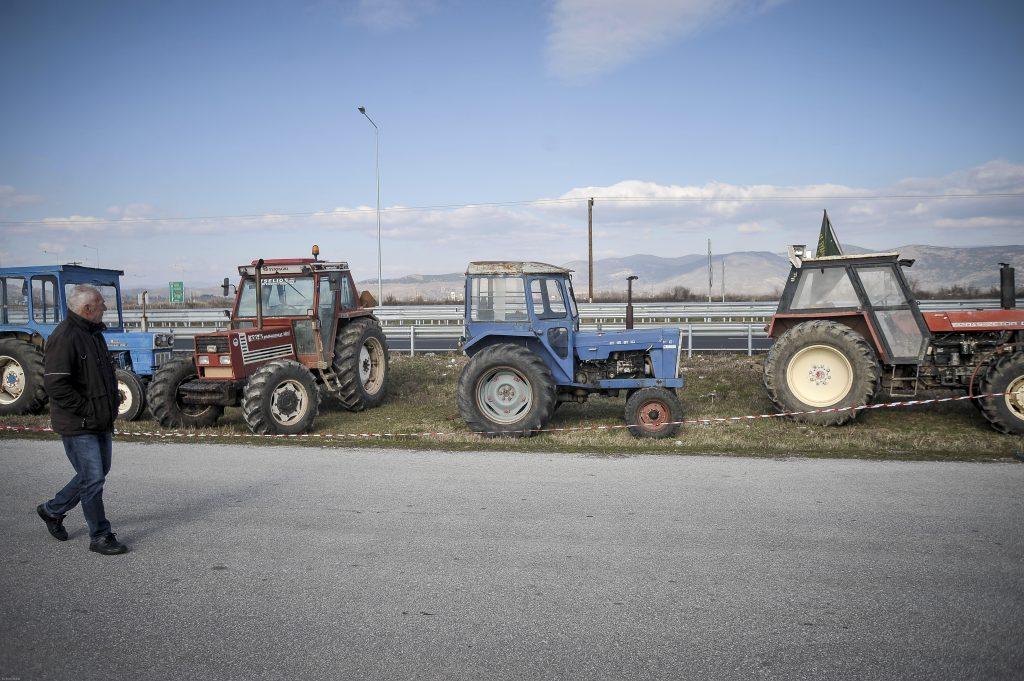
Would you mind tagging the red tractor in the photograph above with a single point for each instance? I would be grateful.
(297, 331)
(848, 327)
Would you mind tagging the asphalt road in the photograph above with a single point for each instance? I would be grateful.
(304, 563)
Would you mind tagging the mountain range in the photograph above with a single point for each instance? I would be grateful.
(747, 273)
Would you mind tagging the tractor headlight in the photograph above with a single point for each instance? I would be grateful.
(224, 359)
(163, 340)
(204, 359)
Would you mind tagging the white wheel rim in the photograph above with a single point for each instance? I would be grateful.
(1015, 397)
(371, 366)
(289, 402)
(504, 395)
(12, 380)
(126, 398)
(819, 376)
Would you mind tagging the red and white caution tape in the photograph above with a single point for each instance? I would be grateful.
(341, 436)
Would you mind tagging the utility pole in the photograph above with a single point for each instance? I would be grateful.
(710, 273)
(723, 278)
(590, 249)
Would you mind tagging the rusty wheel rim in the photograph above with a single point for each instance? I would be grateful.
(653, 415)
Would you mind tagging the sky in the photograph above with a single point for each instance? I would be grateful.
(178, 140)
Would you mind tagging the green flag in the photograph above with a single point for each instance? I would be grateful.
(828, 244)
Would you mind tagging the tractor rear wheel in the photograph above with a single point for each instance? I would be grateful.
(506, 390)
(653, 413)
(21, 378)
(1005, 412)
(361, 364)
(133, 395)
(281, 398)
(165, 405)
(821, 365)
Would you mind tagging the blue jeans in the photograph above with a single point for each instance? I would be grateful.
(90, 457)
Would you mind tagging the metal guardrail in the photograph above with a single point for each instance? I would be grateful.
(444, 323)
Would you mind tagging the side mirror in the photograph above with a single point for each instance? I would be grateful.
(225, 287)
(335, 280)
(366, 299)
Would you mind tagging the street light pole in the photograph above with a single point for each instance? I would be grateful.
(376, 138)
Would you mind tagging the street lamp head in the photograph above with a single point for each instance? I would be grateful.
(362, 110)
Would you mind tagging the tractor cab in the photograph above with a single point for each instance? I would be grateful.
(867, 292)
(524, 314)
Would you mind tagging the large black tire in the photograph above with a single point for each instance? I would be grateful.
(164, 404)
(511, 376)
(133, 395)
(361, 364)
(21, 378)
(281, 398)
(821, 365)
(1005, 412)
(653, 413)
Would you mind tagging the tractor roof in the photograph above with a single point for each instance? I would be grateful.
(292, 266)
(840, 259)
(69, 268)
(513, 267)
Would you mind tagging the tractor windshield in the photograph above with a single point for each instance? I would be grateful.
(282, 297)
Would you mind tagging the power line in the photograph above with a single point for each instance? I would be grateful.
(531, 202)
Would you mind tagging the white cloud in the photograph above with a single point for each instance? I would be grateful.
(12, 198)
(632, 216)
(591, 37)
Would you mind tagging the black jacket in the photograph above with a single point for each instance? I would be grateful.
(79, 378)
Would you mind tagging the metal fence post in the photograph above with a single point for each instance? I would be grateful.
(750, 340)
(412, 340)
(689, 340)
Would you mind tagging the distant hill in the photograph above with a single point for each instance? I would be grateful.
(747, 273)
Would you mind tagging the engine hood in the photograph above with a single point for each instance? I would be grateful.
(599, 344)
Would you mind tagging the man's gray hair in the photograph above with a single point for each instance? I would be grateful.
(83, 295)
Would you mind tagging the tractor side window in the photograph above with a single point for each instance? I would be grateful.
(109, 294)
(882, 286)
(824, 287)
(572, 298)
(901, 330)
(326, 310)
(497, 299)
(548, 301)
(13, 300)
(348, 298)
(45, 307)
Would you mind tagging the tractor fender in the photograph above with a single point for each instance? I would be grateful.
(24, 333)
(528, 340)
(858, 320)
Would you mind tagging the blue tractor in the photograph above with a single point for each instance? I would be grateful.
(528, 355)
(33, 300)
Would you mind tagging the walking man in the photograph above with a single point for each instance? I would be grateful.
(79, 379)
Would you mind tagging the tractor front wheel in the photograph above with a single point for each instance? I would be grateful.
(133, 395)
(820, 365)
(653, 413)
(1004, 411)
(281, 398)
(167, 407)
(21, 378)
(361, 364)
(506, 390)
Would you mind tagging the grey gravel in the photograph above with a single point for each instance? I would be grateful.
(303, 563)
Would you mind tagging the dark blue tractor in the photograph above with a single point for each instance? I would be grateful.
(528, 355)
(33, 300)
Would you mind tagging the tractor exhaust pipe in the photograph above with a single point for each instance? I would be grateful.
(1007, 286)
(259, 293)
(629, 300)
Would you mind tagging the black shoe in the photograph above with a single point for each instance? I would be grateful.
(54, 523)
(108, 546)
